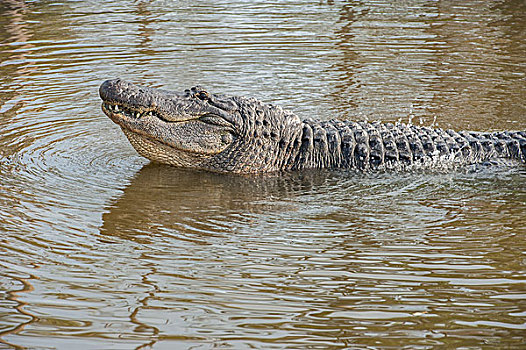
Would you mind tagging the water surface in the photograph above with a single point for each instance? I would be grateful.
(100, 249)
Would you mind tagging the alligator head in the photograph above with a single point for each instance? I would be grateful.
(196, 129)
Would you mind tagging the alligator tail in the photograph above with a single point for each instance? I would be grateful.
(510, 144)
(409, 146)
(376, 146)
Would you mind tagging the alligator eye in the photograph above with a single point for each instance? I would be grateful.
(202, 95)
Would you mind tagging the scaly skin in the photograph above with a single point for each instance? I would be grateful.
(212, 132)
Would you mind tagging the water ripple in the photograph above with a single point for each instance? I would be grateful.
(100, 248)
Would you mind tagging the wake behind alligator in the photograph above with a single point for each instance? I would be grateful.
(199, 130)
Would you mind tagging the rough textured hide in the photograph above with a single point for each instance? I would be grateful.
(196, 129)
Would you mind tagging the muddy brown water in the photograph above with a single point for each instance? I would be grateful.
(101, 250)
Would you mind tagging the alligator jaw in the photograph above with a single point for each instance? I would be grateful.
(119, 111)
(167, 127)
(115, 111)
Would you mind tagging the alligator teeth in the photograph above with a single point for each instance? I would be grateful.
(126, 111)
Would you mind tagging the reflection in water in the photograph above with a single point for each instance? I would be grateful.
(379, 77)
(435, 61)
(512, 25)
(180, 199)
(348, 87)
(144, 256)
(12, 31)
(142, 327)
(468, 59)
(15, 32)
(145, 20)
(13, 295)
(338, 255)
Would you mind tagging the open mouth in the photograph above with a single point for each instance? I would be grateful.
(115, 109)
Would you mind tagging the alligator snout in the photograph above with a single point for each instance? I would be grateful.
(114, 90)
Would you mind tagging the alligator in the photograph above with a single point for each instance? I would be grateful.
(213, 132)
